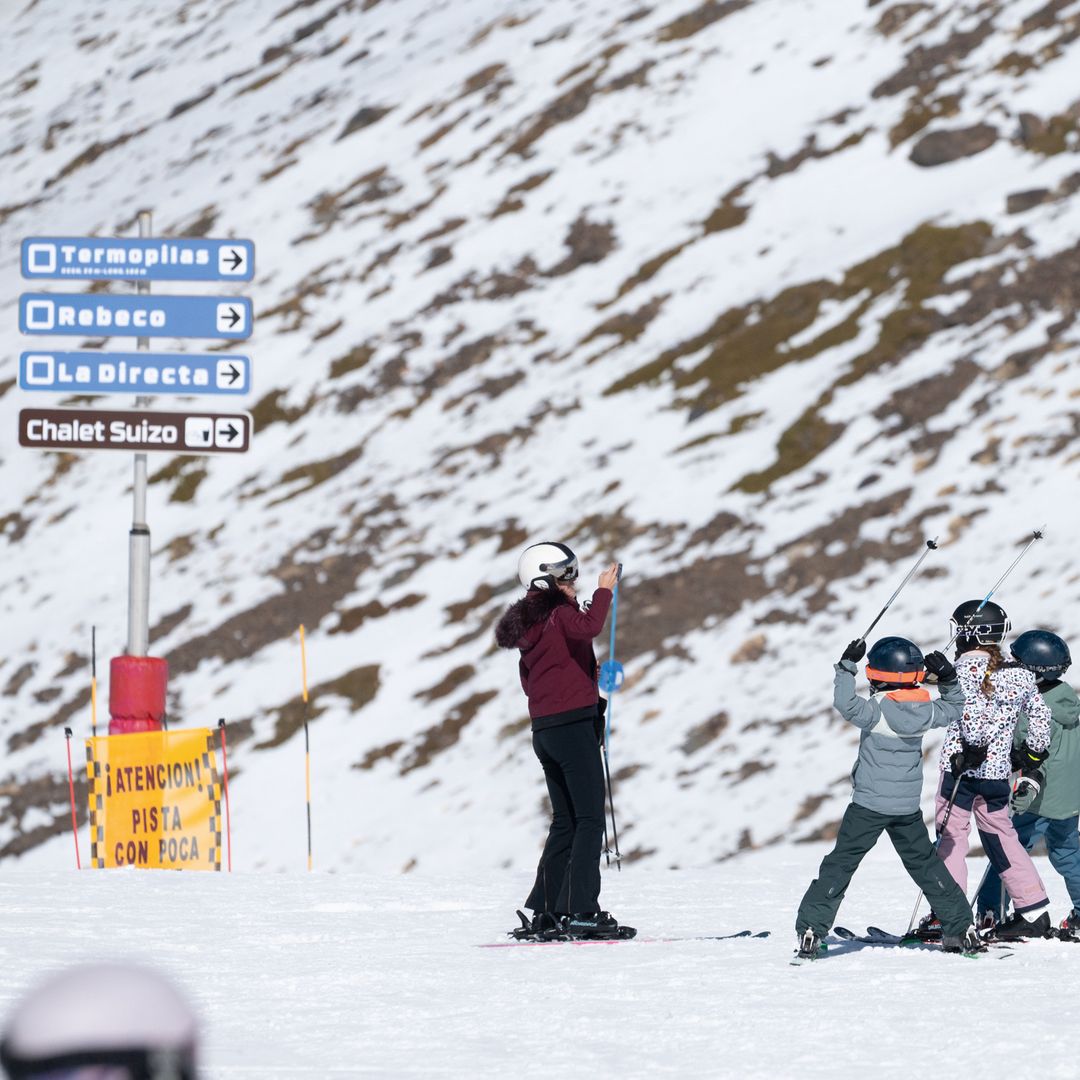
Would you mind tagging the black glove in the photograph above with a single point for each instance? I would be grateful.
(599, 724)
(937, 663)
(1028, 761)
(855, 651)
(967, 759)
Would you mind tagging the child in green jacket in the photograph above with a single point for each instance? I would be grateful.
(1047, 806)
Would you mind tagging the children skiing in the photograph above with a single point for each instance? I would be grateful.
(1047, 802)
(976, 765)
(559, 676)
(887, 783)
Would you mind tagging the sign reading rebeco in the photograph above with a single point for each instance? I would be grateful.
(142, 316)
(138, 430)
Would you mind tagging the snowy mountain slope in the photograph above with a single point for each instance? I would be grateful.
(756, 296)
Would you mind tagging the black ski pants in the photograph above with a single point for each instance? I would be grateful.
(568, 877)
(859, 832)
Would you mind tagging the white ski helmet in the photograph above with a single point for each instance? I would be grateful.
(546, 565)
(125, 1019)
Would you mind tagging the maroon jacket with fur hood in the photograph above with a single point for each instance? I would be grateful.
(558, 665)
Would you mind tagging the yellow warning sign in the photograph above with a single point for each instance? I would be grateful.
(155, 800)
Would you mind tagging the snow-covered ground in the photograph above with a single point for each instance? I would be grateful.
(351, 975)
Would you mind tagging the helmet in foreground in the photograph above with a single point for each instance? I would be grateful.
(546, 566)
(127, 1020)
(1042, 652)
(978, 622)
(894, 662)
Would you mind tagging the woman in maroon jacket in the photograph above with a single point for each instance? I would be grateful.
(558, 674)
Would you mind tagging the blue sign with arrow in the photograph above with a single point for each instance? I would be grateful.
(87, 315)
(159, 259)
(134, 373)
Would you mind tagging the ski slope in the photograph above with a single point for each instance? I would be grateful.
(355, 975)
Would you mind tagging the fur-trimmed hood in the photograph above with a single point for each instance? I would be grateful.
(531, 611)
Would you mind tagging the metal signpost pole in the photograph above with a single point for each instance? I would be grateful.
(139, 537)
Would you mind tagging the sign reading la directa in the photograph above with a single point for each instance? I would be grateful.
(141, 315)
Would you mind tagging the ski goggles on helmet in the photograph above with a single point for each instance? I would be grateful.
(913, 677)
(564, 570)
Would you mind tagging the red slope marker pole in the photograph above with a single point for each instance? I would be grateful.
(71, 791)
(225, 773)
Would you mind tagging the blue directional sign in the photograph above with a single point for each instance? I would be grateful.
(160, 259)
(89, 315)
(134, 373)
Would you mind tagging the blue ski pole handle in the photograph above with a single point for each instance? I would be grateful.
(611, 676)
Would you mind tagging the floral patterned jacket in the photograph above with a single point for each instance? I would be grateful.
(990, 721)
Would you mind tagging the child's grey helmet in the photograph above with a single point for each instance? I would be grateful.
(547, 565)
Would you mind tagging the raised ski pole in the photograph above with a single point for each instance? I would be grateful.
(611, 680)
(1035, 537)
(225, 773)
(307, 742)
(71, 791)
(931, 545)
(937, 842)
(93, 681)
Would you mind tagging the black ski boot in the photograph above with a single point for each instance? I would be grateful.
(1069, 930)
(810, 946)
(968, 942)
(543, 926)
(596, 926)
(1016, 926)
(929, 928)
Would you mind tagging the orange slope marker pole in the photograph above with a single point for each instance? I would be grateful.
(307, 742)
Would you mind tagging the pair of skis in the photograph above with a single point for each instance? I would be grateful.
(744, 934)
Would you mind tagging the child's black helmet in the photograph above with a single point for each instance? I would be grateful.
(895, 662)
(977, 622)
(1043, 653)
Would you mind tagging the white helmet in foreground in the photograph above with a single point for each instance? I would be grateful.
(127, 1020)
(547, 565)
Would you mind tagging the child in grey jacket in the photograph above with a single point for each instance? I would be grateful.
(887, 783)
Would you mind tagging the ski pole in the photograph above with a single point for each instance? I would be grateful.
(931, 545)
(611, 679)
(937, 842)
(307, 742)
(225, 773)
(93, 680)
(71, 791)
(1035, 537)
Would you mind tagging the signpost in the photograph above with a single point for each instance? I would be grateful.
(145, 259)
(92, 372)
(145, 316)
(138, 681)
(136, 429)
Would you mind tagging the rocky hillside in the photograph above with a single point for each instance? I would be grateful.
(754, 295)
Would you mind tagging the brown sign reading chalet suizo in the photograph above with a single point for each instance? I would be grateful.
(139, 430)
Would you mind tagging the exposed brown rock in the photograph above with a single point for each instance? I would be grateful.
(942, 147)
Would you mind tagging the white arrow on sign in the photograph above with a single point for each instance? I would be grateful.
(230, 317)
(231, 260)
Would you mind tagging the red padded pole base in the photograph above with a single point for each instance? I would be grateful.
(137, 693)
